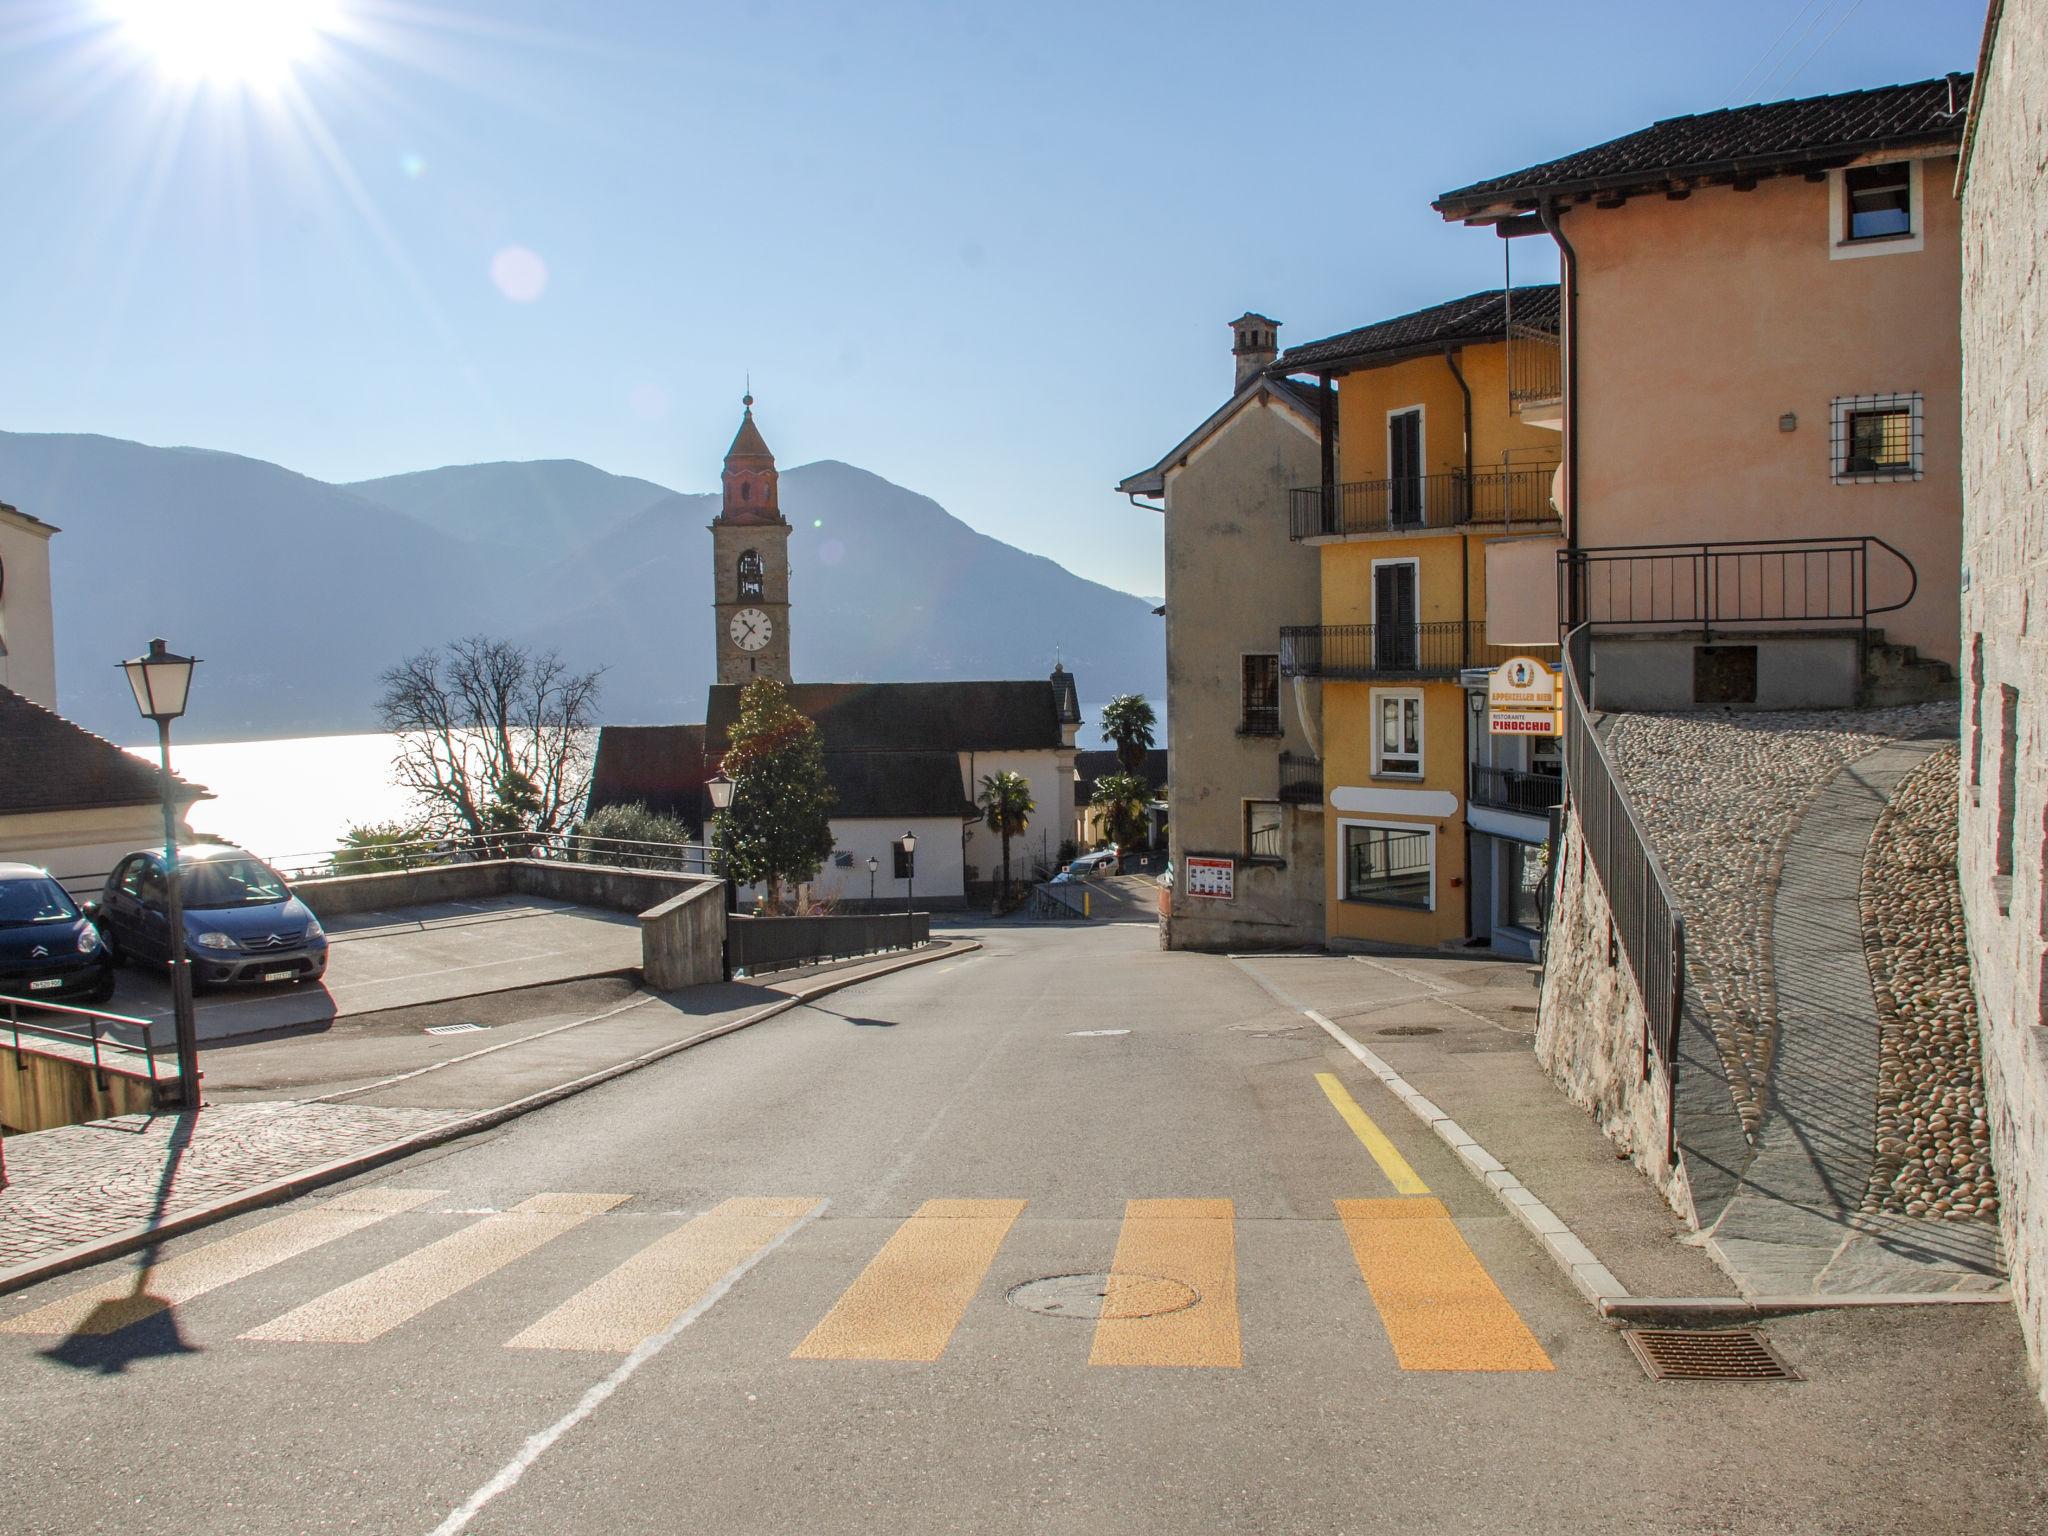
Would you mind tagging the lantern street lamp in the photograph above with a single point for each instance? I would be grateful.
(720, 788)
(160, 681)
(873, 865)
(907, 846)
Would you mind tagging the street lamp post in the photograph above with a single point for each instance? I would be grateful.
(160, 681)
(720, 788)
(873, 865)
(908, 844)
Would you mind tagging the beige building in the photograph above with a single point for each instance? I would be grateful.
(1247, 772)
(1761, 435)
(28, 652)
(2004, 822)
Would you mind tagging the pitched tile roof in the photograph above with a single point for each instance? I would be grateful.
(49, 764)
(907, 784)
(659, 766)
(1299, 397)
(1476, 317)
(1813, 133)
(912, 717)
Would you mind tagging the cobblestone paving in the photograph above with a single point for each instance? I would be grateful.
(1719, 795)
(84, 1182)
(1933, 1138)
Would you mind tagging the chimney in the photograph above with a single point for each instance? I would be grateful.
(1254, 344)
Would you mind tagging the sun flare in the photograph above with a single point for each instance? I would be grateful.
(250, 43)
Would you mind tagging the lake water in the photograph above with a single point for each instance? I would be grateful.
(297, 795)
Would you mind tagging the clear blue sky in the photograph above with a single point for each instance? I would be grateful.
(986, 251)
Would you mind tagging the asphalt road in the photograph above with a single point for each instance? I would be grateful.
(713, 1296)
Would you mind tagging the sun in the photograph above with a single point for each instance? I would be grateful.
(250, 43)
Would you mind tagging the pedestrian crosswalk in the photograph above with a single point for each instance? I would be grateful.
(1169, 1298)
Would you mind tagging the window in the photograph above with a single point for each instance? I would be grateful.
(1404, 467)
(2008, 791)
(1394, 866)
(1262, 830)
(1522, 885)
(1396, 638)
(750, 573)
(1877, 437)
(1877, 201)
(1397, 734)
(906, 863)
(1261, 695)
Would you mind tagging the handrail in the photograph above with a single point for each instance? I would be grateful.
(94, 1018)
(1511, 495)
(1713, 584)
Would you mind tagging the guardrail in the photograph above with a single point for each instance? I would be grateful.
(1066, 900)
(760, 944)
(1759, 583)
(1451, 499)
(1649, 928)
(1363, 652)
(97, 1027)
(1511, 789)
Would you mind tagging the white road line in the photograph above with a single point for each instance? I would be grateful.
(540, 1444)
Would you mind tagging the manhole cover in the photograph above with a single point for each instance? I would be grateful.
(1084, 1296)
(1410, 1029)
(455, 1029)
(1719, 1354)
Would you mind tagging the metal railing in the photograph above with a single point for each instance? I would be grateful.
(1535, 368)
(760, 944)
(1512, 789)
(96, 1028)
(1301, 782)
(1648, 927)
(1369, 652)
(1068, 900)
(1260, 720)
(1452, 499)
(1752, 584)
(1389, 866)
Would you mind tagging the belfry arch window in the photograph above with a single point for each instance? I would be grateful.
(746, 490)
(750, 574)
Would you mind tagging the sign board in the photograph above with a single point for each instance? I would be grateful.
(1215, 879)
(1524, 698)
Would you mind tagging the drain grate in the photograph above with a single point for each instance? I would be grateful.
(455, 1029)
(1718, 1354)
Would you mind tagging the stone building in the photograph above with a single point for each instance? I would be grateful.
(28, 653)
(2004, 793)
(1247, 792)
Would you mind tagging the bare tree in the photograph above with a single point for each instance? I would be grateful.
(492, 737)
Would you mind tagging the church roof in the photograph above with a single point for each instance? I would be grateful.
(49, 764)
(747, 443)
(659, 766)
(907, 784)
(915, 717)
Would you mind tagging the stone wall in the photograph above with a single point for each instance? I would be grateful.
(2004, 819)
(682, 939)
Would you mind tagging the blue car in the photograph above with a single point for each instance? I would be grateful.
(242, 923)
(50, 951)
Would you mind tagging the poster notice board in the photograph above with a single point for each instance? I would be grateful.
(1213, 879)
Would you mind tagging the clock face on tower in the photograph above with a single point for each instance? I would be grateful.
(750, 629)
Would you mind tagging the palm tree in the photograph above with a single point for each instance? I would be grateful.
(1128, 721)
(1006, 808)
(1120, 799)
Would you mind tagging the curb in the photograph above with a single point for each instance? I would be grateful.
(1682, 1309)
(361, 1162)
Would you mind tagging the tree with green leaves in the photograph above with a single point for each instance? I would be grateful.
(1130, 724)
(1120, 800)
(778, 829)
(1006, 809)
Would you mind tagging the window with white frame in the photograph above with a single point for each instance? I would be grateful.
(1876, 437)
(1390, 864)
(1875, 210)
(1397, 733)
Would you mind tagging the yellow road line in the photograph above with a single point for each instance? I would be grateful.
(1392, 1163)
(1194, 1242)
(1441, 1309)
(907, 1302)
(372, 1306)
(115, 1304)
(663, 1280)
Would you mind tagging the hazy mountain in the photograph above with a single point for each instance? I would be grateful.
(298, 593)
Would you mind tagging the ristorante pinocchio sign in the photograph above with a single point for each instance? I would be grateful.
(1524, 698)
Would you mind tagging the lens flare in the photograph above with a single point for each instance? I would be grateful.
(250, 43)
(520, 274)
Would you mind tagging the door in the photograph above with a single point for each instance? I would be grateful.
(1395, 636)
(1404, 468)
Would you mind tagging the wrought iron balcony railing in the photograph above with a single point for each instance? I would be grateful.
(1733, 586)
(1511, 497)
(1511, 789)
(1535, 376)
(1301, 782)
(1371, 652)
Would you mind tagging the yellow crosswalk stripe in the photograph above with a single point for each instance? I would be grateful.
(1441, 1309)
(1404, 1178)
(1194, 1242)
(663, 1280)
(372, 1306)
(907, 1302)
(117, 1303)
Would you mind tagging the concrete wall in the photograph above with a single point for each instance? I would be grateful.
(81, 847)
(28, 649)
(682, 939)
(1233, 578)
(938, 881)
(2005, 555)
(1702, 322)
(1802, 672)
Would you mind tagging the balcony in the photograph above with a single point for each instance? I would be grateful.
(1510, 789)
(1301, 781)
(1509, 498)
(1535, 376)
(1387, 652)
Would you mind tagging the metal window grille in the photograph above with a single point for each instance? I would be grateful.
(1262, 695)
(1877, 437)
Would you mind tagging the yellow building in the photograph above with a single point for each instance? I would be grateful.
(1436, 470)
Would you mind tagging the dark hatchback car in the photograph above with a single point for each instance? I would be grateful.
(50, 951)
(242, 923)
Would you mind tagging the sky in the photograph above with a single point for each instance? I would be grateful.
(989, 252)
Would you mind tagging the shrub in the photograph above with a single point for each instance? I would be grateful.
(633, 823)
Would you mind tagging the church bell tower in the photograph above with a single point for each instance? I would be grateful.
(750, 556)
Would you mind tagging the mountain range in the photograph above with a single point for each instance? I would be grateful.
(298, 594)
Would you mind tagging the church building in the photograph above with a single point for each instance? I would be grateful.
(901, 757)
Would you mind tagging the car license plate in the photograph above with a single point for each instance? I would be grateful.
(279, 975)
(47, 984)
